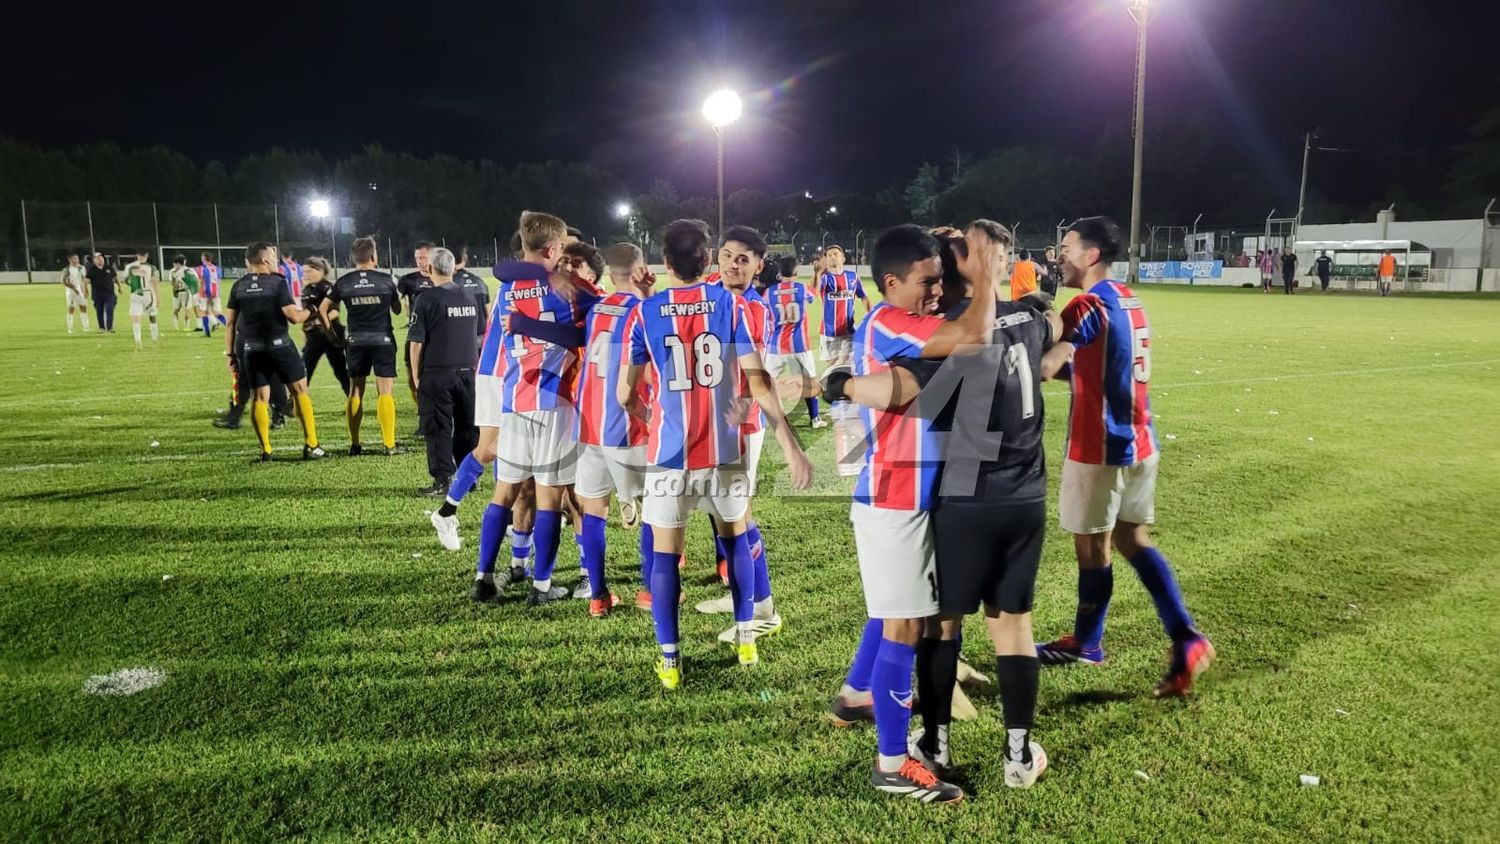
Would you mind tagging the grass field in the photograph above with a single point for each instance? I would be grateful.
(1329, 495)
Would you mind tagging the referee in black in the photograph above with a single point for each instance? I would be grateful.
(991, 514)
(411, 287)
(473, 285)
(322, 338)
(443, 328)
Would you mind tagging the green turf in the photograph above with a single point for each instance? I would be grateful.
(1329, 493)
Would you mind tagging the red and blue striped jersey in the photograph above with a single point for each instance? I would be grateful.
(292, 272)
(1109, 422)
(838, 293)
(540, 375)
(601, 418)
(902, 454)
(788, 302)
(692, 338)
(493, 351)
(210, 274)
(758, 324)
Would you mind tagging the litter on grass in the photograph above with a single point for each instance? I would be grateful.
(765, 696)
(1342, 713)
(1171, 436)
(126, 681)
(1310, 780)
(1273, 412)
(416, 555)
(1142, 775)
(165, 578)
(155, 444)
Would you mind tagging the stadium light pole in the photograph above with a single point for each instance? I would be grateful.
(722, 108)
(320, 209)
(1140, 10)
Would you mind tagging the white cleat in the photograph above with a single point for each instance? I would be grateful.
(939, 763)
(820, 422)
(723, 604)
(447, 531)
(758, 627)
(1020, 774)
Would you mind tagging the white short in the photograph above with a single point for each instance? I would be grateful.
(609, 469)
(673, 494)
(207, 304)
(537, 444)
(142, 304)
(487, 400)
(754, 443)
(1093, 497)
(896, 561)
(75, 298)
(802, 362)
(181, 301)
(838, 349)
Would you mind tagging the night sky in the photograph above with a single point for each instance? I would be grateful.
(840, 95)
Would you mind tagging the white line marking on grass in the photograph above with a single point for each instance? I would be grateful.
(126, 681)
(149, 458)
(1337, 373)
(106, 397)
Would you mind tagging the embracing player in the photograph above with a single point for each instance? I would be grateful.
(839, 287)
(789, 301)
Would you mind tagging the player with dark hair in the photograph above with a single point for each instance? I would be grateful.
(145, 295)
(75, 283)
(1108, 486)
(368, 297)
(473, 285)
(322, 337)
(694, 338)
(260, 309)
(210, 307)
(789, 300)
(411, 286)
(839, 287)
(184, 289)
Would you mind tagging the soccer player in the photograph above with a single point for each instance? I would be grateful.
(411, 286)
(1267, 262)
(368, 297)
(895, 489)
(260, 309)
(184, 289)
(74, 283)
(789, 301)
(1385, 273)
(475, 287)
(442, 354)
(741, 258)
(1108, 486)
(529, 404)
(145, 294)
(102, 287)
(838, 288)
(322, 337)
(694, 338)
(292, 272)
(209, 306)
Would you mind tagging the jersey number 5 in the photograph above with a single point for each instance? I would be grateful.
(708, 362)
(1141, 343)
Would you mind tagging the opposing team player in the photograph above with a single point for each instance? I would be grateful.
(694, 338)
(210, 308)
(1108, 487)
(74, 282)
(839, 288)
(145, 295)
(789, 349)
(367, 297)
(185, 284)
(260, 309)
(292, 272)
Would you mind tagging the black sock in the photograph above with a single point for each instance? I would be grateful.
(447, 509)
(937, 671)
(1017, 676)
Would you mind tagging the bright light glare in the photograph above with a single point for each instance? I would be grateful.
(833, 209)
(622, 210)
(318, 208)
(722, 107)
(807, 194)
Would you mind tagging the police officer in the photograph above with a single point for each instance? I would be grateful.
(474, 286)
(259, 310)
(368, 297)
(321, 338)
(443, 328)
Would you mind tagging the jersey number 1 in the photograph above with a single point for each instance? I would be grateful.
(1140, 339)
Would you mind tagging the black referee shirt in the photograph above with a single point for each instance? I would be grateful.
(412, 286)
(367, 298)
(445, 321)
(257, 300)
(475, 286)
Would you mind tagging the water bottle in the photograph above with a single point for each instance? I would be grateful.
(848, 438)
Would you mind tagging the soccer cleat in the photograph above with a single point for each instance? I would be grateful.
(584, 589)
(723, 604)
(758, 627)
(278, 422)
(1189, 659)
(820, 422)
(265, 457)
(356, 450)
(643, 599)
(669, 671)
(395, 450)
(536, 597)
(229, 422)
(447, 531)
(517, 575)
(600, 607)
(630, 513)
(1066, 650)
(484, 592)
(747, 652)
(914, 780)
(844, 714)
(439, 488)
(313, 452)
(1023, 773)
(939, 761)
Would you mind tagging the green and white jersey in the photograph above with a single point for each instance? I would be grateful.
(138, 275)
(183, 279)
(72, 277)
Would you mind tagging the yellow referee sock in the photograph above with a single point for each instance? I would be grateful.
(385, 411)
(354, 411)
(260, 420)
(308, 420)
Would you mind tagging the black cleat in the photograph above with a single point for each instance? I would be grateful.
(227, 423)
(535, 596)
(313, 453)
(439, 488)
(356, 450)
(517, 575)
(265, 457)
(278, 422)
(843, 713)
(484, 592)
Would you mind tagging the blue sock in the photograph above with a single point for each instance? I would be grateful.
(591, 549)
(648, 550)
(864, 657)
(890, 686)
(762, 569)
(223, 321)
(1156, 575)
(665, 584)
(206, 329)
(520, 548)
(491, 534)
(545, 533)
(464, 479)
(741, 577)
(812, 408)
(1095, 586)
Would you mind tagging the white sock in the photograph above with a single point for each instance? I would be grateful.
(765, 609)
(136, 330)
(155, 331)
(890, 764)
(85, 318)
(542, 585)
(849, 693)
(70, 322)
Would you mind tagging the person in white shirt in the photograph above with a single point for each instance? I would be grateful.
(75, 286)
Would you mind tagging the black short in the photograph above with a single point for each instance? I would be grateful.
(275, 358)
(988, 553)
(362, 359)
